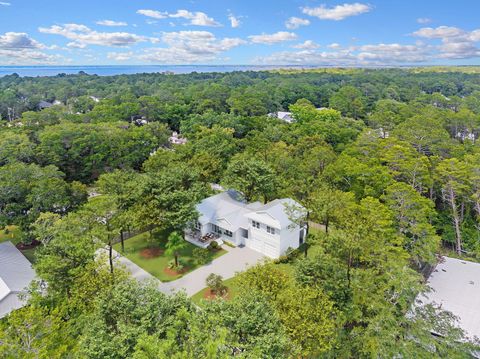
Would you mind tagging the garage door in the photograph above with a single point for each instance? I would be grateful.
(262, 246)
(255, 244)
(270, 250)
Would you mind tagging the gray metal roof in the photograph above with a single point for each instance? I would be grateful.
(16, 273)
(230, 211)
(455, 287)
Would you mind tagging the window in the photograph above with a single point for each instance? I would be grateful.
(256, 224)
(198, 226)
(216, 229)
(228, 233)
(270, 230)
(244, 233)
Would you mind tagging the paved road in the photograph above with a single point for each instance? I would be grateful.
(235, 260)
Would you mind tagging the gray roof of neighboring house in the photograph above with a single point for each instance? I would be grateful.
(44, 104)
(16, 273)
(455, 287)
(230, 211)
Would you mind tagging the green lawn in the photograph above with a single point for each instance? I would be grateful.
(156, 266)
(231, 284)
(14, 235)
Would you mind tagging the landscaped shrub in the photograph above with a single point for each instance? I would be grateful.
(213, 246)
(171, 265)
(289, 255)
(215, 283)
(200, 256)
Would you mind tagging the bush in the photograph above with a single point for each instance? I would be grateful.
(171, 265)
(213, 246)
(200, 256)
(289, 255)
(215, 283)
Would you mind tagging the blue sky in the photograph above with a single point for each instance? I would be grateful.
(304, 32)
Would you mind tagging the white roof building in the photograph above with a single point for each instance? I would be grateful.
(455, 287)
(16, 273)
(267, 228)
(175, 139)
(284, 116)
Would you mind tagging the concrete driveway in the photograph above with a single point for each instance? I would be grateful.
(235, 260)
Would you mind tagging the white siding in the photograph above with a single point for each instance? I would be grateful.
(290, 238)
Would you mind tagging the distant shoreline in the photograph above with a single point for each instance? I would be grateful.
(113, 70)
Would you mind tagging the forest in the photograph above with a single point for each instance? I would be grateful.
(387, 161)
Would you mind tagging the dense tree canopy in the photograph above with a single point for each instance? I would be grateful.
(387, 161)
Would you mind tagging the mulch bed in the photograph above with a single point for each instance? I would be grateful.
(173, 272)
(149, 253)
(23, 246)
(208, 294)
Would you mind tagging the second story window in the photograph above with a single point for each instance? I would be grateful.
(228, 233)
(256, 224)
(270, 230)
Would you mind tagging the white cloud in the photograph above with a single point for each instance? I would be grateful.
(424, 20)
(334, 46)
(111, 23)
(458, 50)
(197, 18)
(273, 38)
(81, 34)
(234, 21)
(3, 3)
(76, 45)
(440, 32)
(153, 13)
(26, 56)
(190, 47)
(20, 48)
(393, 53)
(366, 55)
(18, 40)
(120, 56)
(296, 22)
(456, 43)
(338, 12)
(307, 45)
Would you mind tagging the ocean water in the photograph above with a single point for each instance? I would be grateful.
(34, 71)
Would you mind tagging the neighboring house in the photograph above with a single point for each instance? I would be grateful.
(455, 285)
(175, 139)
(284, 116)
(44, 104)
(16, 273)
(266, 228)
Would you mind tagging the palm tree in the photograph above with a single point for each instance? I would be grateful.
(174, 245)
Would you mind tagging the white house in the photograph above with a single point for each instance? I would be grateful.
(175, 139)
(282, 115)
(266, 228)
(16, 273)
